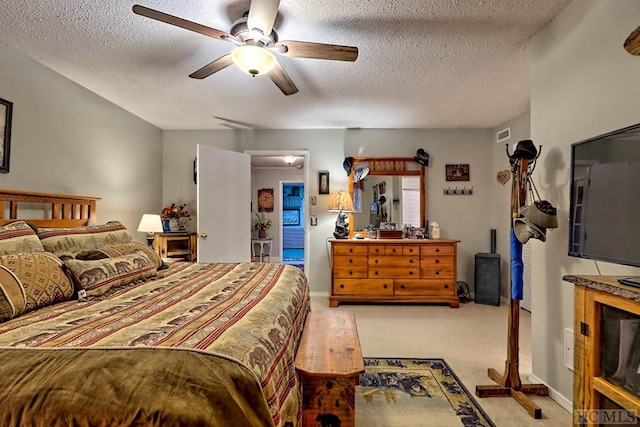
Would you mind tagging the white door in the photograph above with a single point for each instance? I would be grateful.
(224, 205)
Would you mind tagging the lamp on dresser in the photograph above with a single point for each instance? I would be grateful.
(150, 224)
(341, 202)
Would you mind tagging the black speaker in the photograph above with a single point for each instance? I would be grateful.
(487, 279)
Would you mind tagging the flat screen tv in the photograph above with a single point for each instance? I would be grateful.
(605, 199)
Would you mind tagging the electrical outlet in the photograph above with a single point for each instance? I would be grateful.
(313, 211)
(568, 348)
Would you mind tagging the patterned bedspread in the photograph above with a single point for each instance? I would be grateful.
(247, 312)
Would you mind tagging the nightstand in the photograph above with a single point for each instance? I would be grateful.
(176, 245)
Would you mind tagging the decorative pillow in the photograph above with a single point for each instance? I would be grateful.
(31, 280)
(113, 251)
(66, 242)
(18, 237)
(98, 276)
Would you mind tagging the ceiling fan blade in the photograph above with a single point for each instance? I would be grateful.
(333, 52)
(182, 23)
(632, 43)
(262, 15)
(280, 77)
(213, 67)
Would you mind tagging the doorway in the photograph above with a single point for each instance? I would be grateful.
(292, 223)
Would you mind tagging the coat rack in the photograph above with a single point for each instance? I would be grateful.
(508, 384)
(458, 191)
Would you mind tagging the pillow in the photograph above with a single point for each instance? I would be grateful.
(98, 276)
(17, 237)
(119, 249)
(66, 242)
(31, 280)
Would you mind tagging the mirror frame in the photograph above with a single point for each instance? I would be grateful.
(391, 166)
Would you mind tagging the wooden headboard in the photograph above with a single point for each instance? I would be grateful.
(58, 210)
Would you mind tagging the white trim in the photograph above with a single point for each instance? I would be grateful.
(554, 395)
(319, 294)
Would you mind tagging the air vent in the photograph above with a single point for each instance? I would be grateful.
(503, 135)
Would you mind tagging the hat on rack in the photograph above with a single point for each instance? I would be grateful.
(525, 230)
(347, 164)
(541, 213)
(422, 157)
(360, 174)
(525, 150)
(382, 199)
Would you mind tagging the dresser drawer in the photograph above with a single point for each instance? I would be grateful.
(349, 249)
(427, 250)
(393, 272)
(436, 261)
(444, 272)
(349, 261)
(411, 250)
(377, 249)
(394, 261)
(424, 287)
(350, 272)
(363, 287)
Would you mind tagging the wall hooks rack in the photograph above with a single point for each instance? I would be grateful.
(458, 191)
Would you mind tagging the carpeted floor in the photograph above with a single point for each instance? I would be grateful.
(414, 393)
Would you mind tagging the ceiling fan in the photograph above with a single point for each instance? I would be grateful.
(256, 42)
(632, 43)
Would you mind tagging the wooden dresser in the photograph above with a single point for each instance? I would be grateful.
(393, 270)
(605, 375)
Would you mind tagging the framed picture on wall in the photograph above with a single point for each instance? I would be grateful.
(6, 109)
(457, 172)
(265, 200)
(323, 182)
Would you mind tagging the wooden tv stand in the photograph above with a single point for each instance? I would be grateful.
(592, 388)
(394, 270)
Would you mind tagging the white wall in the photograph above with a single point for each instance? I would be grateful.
(66, 139)
(583, 84)
(501, 206)
(467, 218)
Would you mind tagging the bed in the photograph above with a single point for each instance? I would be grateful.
(95, 330)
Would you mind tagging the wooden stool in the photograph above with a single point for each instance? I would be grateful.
(329, 363)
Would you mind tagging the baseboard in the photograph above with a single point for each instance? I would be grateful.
(554, 394)
(319, 294)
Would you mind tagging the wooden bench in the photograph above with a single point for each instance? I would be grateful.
(329, 363)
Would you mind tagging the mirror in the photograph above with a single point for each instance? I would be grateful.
(393, 191)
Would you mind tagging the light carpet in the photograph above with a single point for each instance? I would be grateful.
(413, 393)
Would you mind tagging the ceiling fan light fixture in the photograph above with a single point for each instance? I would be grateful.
(253, 60)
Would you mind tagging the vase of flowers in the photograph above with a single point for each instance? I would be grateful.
(174, 217)
(261, 224)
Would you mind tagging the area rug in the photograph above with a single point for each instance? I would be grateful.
(413, 393)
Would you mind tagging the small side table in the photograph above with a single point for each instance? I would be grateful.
(176, 245)
(264, 244)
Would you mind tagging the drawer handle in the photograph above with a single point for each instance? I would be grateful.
(376, 272)
(437, 272)
(411, 273)
(350, 261)
(351, 250)
(341, 286)
(384, 286)
(437, 261)
(437, 249)
(350, 273)
(376, 261)
(410, 261)
(393, 250)
(410, 251)
(446, 286)
(401, 286)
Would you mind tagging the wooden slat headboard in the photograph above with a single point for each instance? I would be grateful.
(59, 210)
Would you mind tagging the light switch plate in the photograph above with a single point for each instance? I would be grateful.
(313, 211)
(313, 200)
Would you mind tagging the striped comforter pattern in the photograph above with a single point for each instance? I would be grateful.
(251, 312)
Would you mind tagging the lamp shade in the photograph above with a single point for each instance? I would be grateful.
(253, 60)
(150, 223)
(340, 202)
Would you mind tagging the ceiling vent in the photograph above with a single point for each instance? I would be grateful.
(503, 135)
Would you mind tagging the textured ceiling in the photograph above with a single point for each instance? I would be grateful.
(421, 64)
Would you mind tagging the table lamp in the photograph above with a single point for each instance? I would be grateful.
(341, 202)
(150, 223)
